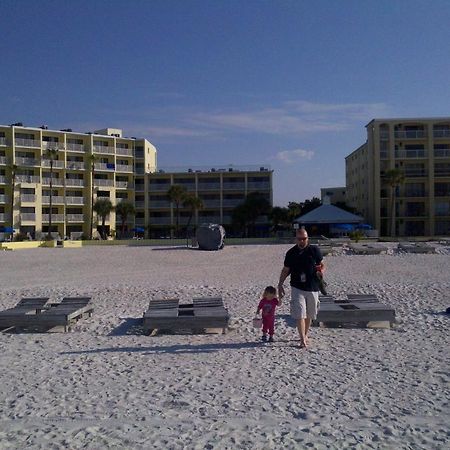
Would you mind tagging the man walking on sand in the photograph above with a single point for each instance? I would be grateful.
(302, 262)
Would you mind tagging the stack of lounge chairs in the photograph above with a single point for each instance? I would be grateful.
(204, 313)
(361, 309)
(38, 314)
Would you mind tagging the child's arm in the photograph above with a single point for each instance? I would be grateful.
(258, 309)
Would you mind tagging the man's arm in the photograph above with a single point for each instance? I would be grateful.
(283, 275)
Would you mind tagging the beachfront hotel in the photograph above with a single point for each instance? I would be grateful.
(420, 149)
(124, 169)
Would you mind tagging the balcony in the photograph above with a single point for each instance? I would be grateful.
(56, 164)
(441, 133)
(71, 218)
(27, 143)
(415, 173)
(55, 218)
(209, 219)
(233, 186)
(75, 165)
(2, 179)
(74, 200)
(103, 149)
(32, 179)
(3, 161)
(211, 203)
(79, 148)
(74, 182)
(258, 186)
(46, 145)
(103, 182)
(442, 152)
(208, 186)
(124, 168)
(231, 203)
(3, 217)
(441, 172)
(110, 167)
(27, 217)
(139, 188)
(56, 200)
(31, 162)
(3, 199)
(124, 184)
(415, 194)
(124, 151)
(3, 142)
(411, 153)
(158, 187)
(139, 204)
(410, 134)
(160, 221)
(27, 198)
(57, 182)
(384, 154)
(158, 204)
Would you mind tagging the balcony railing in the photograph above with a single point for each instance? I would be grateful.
(442, 172)
(258, 185)
(28, 198)
(211, 203)
(102, 182)
(33, 179)
(52, 145)
(411, 154)
(75, 165)
(124, 168)
(74, 200)
(160, 220)
(415, 173)
(139, 204)
(28, 217)
(158, 187)
(3, 141)
(209, 219)
(55, 218)
(227, 203)
(234, 186)
(124, 184)
(56, 164)
(158, 204)
(3, 179)
(3, 160)
(27, 162)
(2, 217)
(410, 134)
(441, 133)
(105, 166)
(103, 149)
(3, 198)
(415, 194)
(75, 218)
(56, 200)
(59, 182)
(139, 188)
(442, 212)
(74, 182)
(442, 152)
(76, 148)
(208, 186)
(27, 143)
(124, 151)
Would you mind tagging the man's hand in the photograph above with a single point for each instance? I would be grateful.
(281, 292)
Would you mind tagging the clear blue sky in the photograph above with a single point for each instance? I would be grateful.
(289, 84)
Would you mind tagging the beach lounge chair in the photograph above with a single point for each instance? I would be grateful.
(356, 308)
(203, 313)
(24, 312)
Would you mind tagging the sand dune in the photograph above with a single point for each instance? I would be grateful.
(106, 385)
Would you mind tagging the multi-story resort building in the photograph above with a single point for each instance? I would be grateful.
(104, 164)
(420, 150)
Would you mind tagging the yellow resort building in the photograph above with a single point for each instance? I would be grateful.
(420, 149)
(105, 164)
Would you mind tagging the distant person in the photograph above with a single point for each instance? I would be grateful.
(302, 262)
(267, 306)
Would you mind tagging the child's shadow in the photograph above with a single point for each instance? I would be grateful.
(288, 320)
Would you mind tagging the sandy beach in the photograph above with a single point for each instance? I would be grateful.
(107, 385)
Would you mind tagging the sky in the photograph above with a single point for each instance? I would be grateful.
(282, 83)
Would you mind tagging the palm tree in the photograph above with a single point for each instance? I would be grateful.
(92, 160)
(13, 169)
(193, 203)
(279, 217)
(52, 155)
(394, 178)
(123, 210)
(176, 194)
(103, 207)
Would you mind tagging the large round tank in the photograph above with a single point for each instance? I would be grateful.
(210, 236)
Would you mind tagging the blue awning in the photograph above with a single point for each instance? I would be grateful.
(138, 230)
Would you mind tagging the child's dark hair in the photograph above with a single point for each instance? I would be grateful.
(270, 290)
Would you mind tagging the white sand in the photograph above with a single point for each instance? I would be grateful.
(106, 385)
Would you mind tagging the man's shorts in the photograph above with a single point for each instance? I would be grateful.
(304, 304)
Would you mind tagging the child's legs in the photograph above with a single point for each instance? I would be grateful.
(269, 325)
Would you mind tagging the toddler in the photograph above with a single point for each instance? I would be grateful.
(267, 307)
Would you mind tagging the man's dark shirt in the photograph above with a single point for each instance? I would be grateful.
(303, 261)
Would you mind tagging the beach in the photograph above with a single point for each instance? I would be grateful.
(107, 385)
